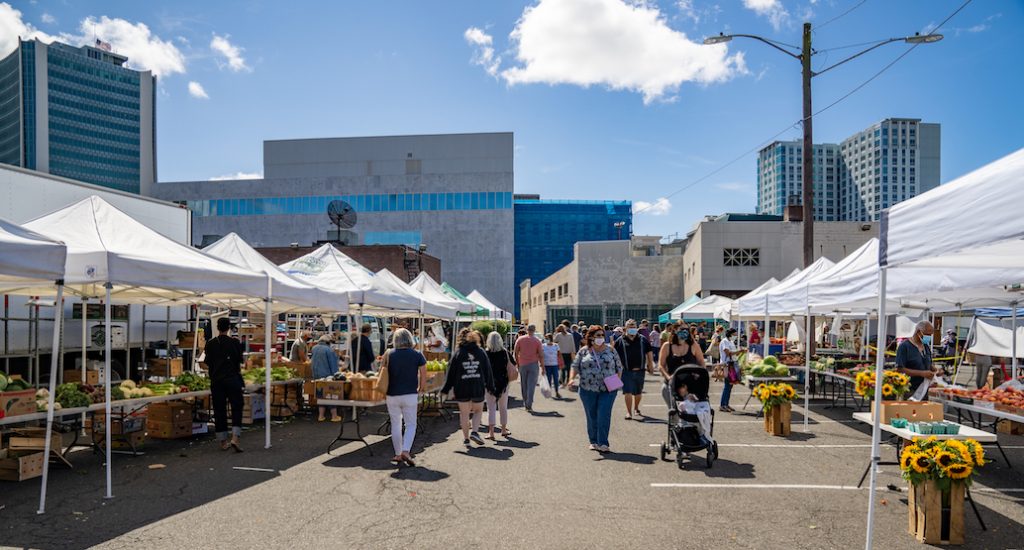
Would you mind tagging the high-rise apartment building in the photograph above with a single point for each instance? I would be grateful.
(547, 230)
(891, 161)
(78, 112)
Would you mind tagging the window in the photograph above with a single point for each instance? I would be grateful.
(741, 257)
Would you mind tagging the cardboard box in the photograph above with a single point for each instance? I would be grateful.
(331, 389)
(92, 377)
(199, 428)
(365, 389)
(254, 409)
(164, 367)
(34, 439)
(302, 370)
(170, 411)
(168, 430)
(1010, 427)
(20, 465)
(120, 423)
(125, 442)
(187, 339)
(14, 403)
(914, 411)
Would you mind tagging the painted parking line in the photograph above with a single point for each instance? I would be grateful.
(975, 489)
(791, 445)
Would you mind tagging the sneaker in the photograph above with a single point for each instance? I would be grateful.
(476, 438)
(466, 443)
(604, 449)
(592, 447)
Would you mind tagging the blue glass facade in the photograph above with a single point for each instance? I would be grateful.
(10, 110)
(383, 202)
(547, 230)
(94, 126)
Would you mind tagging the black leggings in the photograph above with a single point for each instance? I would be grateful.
(563, 376)
(221, 392)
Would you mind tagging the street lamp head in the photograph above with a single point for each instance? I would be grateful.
(918, 38)
(720, 39)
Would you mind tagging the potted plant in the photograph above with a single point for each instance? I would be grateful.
(939, 471)
(776, 402)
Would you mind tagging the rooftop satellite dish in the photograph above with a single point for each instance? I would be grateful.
(342, 214)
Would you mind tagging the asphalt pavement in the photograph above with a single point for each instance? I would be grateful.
(540, 488)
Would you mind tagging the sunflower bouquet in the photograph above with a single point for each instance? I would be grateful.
(774, 394)
(944, 461)
(894, 384)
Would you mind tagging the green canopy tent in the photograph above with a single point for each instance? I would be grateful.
(668, 316)
(470, 310)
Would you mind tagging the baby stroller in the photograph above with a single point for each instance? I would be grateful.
(686, 433)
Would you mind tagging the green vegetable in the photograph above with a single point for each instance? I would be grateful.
(192, 381)
(70, 396)
(3, 382)
(771, 361)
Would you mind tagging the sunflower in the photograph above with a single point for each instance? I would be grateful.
(958, 471)
(775, 391)
(961, 448)
(907, 459)
(761, 387)
(944, 458)
(887, 390)
(790, 392)
(979, 455)
(912, 448)
(921, 463)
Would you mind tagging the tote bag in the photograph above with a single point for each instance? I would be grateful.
(613, 382)
(513, 371)
(382, 377)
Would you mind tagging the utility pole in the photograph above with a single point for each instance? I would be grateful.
(808, 187)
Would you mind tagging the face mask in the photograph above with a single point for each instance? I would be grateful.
(632, 331)
(599, 341)
(683, 335)
(926, 339)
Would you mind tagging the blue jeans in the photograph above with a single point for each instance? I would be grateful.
(726, 393)
(597, 406)
(552, 375)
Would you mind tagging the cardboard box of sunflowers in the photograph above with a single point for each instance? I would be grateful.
(939, 472)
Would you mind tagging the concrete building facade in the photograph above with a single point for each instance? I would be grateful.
(730, 255)
(450, 193)
(890, 161)
(635, 273)
(79, 113)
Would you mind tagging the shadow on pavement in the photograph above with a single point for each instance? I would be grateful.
(549, 414)
(627, 457)
(419, 473)
(517, 443)
(490, 453)
(727, 469)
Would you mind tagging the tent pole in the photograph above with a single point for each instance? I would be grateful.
(195, 340)
(765, 338)
(1013, 340)
(85, 341)
(876, 420)
(268, 340)
(106, 383)
(58, 314)
(807, 370)
(359, 338)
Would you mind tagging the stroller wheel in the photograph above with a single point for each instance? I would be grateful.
(679, 459)
(714, 449)
(711, 458)
(664, 452)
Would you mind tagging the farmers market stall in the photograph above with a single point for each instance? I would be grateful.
(493, 311)
(705, 308)
(668, 316)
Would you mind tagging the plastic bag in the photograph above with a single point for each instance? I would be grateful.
(545, 387)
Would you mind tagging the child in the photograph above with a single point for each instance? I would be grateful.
(686, 402)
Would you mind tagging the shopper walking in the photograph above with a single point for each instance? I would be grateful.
(645, 329)
(552, 362)
(577, 337)
(528, 355)
(224, 358)
(325, 364)
(407, 376)
(654, 339)
(567, 348)
(469, 378)
(300, 349)
(497, 401)
(362, 349)
(681, 349)
(637, 359)
(595, 363)
(730, 355)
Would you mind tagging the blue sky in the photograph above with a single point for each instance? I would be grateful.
(606, 100)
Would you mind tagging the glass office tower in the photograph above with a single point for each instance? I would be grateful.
(80, 113)
(547, 230)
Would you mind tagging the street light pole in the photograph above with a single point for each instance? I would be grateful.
(808, 152)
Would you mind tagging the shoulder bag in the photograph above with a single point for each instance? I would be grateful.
(613, 382)
(382, 377)
(513, 370)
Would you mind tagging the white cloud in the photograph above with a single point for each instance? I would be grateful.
(238, 176)
(196, 90)
(708, 13)
(736, 187)
(232, 54)
(772, 9)
(12, 26)
(144, 50)
(484, 50)
(48, 19)
(624, 46)
(660, 207)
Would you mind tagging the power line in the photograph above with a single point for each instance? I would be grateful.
(844, 14)
(801, 120)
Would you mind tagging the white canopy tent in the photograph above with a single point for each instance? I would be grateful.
(30, 259)
(995, 338)
(707, 308)
(494, 311)
(290, 294)
(431, 290)
(427, 307)
(111, 255)
(942, 229)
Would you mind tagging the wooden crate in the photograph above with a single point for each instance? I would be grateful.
(913, 411)
(777, 419)
(364, 389)
(164, 367)
(20, 465)
(929, 521)
(1010, 427)
(92, 377)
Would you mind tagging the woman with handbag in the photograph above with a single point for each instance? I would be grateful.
(504, 371)
(403, 375)
(730, 352)
(469, 377)
(600, 372)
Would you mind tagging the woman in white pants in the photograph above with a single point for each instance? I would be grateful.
(497, 402)
(407, 375)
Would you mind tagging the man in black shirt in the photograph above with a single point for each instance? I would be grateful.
(224, 359)
(363, 348)
(636, 356)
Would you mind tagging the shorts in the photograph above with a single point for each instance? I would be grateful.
(468, 400)
(633, 382)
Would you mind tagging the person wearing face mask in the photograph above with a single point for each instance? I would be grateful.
(469, 379)
(680, 350)
(594, 363)
(730, 352)
(636, 356)
(914, 356)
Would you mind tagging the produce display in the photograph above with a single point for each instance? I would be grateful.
(944, 461)
(130, 391)
(824, 364)
(439, 365)
(771, 395)
(1008, 399)
(768, 367)
(43, 401)
(259, 374)
(894, 384)
(192, 381)
(16, 384)
(73, 395)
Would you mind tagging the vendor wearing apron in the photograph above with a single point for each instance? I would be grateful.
(914, 358)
